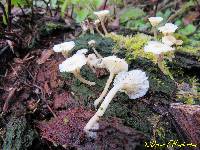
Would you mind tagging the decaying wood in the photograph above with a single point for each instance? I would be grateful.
(188, 118)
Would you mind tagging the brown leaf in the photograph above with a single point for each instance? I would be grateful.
(46, 88)
(45, 55)
(64, 100)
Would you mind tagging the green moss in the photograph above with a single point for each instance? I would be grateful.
(189, 50)
(50, 27)
(134, 46)
(19, 135)
(103, 45)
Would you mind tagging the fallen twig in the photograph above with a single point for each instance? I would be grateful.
(10, 95)
(184, 8)
(43, 98)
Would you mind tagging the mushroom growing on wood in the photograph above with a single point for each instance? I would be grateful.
(64, 48)
(73, 65)
(171, 40)
(134, 83)
(158, 49)
(114, 65)
(168, 28)
(102, 16)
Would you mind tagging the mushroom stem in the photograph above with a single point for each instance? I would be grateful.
(95, 51)
(65, 54)
(99, 31)
(154, 32)
(92, 68)
(91, 30)
(103, 26)
(97, 101)
(103, 107)
(78, 76)
(162, 66)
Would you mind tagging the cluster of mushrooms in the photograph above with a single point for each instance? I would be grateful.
(168, 40)
(134, 83)
(102, 17)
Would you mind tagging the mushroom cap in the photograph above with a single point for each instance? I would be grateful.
(73, 63)
(66, 46)
(169, 40)
(96, 22)
(91, 42)
(134, 83)
(155, 20)
(113, 64)
(157, 47)
(92, 60)
(82, 51)
(168, 28)
(102, 14)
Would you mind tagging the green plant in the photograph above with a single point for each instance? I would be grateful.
(81, 9)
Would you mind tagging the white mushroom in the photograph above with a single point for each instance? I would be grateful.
(169, 40)
(82, 51)
(73, 65)
(114, 65)
(92, 61)
(168, 28)
(134, 83)
(64, 48)
(92, 44)
(155, 22)
(158, 49)
(102, 16)
(96, 24)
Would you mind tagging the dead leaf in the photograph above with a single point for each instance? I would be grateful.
(64, 100)
(46, 88)
(45, 55)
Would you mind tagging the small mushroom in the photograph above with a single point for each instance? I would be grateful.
(82, 51)
(114, 65)
(158, 49)
(168, 29)
(73, 65)
(92, 61)
(64, 48)
(134, 83)
(169, 40)
(96, 24)
(155, 22)
(92, 44)
(102, 16)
